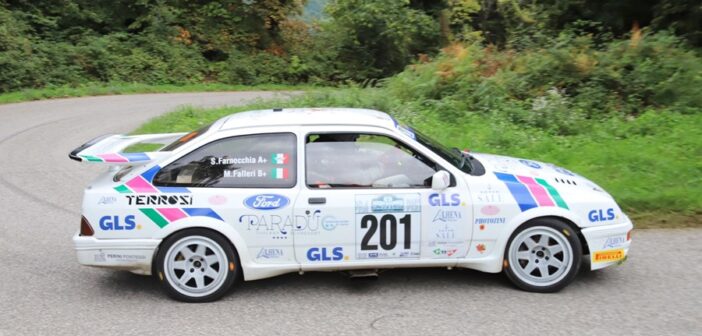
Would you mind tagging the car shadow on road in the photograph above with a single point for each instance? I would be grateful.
(387, 281)
(125, 284)
(122, 284)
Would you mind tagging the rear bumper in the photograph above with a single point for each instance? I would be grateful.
(134, 255)
(608, 244)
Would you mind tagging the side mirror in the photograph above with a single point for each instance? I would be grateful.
(440, 180)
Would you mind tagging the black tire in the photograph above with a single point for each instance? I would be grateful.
(219, 263)
(521, 258)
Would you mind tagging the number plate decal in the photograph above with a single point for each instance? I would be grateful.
(388, 226)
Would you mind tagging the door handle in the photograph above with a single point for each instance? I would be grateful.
(317, 200)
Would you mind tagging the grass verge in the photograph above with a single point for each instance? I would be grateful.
(102, 89)
(652, 165)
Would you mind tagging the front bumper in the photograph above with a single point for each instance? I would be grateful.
(609, 244)
(134, 255)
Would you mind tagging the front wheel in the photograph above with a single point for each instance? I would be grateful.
(543, 256)
(197, 265)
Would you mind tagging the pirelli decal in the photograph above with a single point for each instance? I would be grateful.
(608, 256)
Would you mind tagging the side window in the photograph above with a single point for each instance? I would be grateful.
(354, 160)
(247, 161)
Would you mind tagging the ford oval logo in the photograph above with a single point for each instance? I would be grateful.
(266, 202)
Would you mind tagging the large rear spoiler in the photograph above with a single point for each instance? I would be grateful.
(108, 148)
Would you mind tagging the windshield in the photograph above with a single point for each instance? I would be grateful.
(185, 139)
(453, 155)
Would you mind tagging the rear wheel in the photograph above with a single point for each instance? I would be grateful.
(197, 265)
(543, 256)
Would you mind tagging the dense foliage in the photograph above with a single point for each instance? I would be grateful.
(73, 42)
(49, 43)
(560, 88)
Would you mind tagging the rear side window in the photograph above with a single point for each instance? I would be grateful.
(185, 139)
(248, 161)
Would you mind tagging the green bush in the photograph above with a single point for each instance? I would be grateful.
(562, 88)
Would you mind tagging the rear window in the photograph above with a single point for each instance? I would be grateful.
(185, 139)
(265, 160)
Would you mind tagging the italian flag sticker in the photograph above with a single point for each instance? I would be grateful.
(280, 173)
(280, 158)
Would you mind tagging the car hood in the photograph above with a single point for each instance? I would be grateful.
(535, 169)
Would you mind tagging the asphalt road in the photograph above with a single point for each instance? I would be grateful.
(44, 291)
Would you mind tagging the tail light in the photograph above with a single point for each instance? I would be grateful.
(628, 235)
(85, 228)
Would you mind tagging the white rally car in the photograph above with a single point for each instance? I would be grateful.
(263, 193)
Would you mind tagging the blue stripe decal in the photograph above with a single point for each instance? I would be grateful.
(519, 191)
(149, 174)
(136, 157)
(205, 212)
(172, 189)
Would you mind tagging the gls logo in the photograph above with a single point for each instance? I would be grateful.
(322, 254)
(601, 215)
(444, 200)
(109, 223)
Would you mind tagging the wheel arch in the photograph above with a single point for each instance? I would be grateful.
(524, 218)
(183, 227)
(565, 220)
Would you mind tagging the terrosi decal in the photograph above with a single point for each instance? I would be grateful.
(266, 202)
(159, 200)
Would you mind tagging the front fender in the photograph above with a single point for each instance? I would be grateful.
(493, 262)
(529, 215)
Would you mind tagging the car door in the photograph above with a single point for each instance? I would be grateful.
(367, 197)
(248, 181)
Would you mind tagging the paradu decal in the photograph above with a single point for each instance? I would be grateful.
(279, 226)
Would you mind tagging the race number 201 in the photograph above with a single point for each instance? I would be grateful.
(387, 226)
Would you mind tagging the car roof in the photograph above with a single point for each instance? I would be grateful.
(306, 117)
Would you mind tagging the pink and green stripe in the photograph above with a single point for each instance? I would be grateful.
(531, 192)
(116, 157)
(164, 216)
(155, 217)
(542, 197)
(554, 193)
